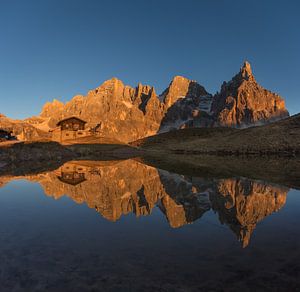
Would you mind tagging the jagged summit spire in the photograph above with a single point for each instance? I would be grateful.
(244, 102)
(246, 71)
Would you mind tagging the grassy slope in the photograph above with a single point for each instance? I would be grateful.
(93, 140)
(281, 137)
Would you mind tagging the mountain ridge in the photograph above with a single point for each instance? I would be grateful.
(130, 113)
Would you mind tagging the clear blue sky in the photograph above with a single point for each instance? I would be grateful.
(58, 48)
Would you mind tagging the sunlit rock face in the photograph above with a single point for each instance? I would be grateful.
(243, 102)
(23, 130)
(127, 113)
(242, 203)
(119, 110)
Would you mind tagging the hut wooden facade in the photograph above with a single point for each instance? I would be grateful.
(70, 129)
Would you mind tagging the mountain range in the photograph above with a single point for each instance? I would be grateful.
(126, 113)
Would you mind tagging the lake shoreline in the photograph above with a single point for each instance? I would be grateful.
(24, 158)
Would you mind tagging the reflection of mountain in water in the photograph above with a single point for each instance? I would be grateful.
(242, 203)
(116, 188)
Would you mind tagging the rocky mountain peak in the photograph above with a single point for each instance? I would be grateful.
(182, 84)
(113, 80)
(179, 79)
(142, 89)
(52, 108)
(246, 71)
(112, 83)
(181, 87)
(242, 102)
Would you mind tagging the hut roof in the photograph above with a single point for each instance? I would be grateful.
(69, 118)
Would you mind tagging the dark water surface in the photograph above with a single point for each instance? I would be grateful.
(126, 226)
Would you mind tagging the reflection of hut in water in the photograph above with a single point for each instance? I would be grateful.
(72, 174)
(72, 178)
(70, 129)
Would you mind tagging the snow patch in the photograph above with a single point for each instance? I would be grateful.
(172, 126)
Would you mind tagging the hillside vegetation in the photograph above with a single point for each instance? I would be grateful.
(280, 138)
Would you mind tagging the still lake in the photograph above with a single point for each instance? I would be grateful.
(127, 226)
